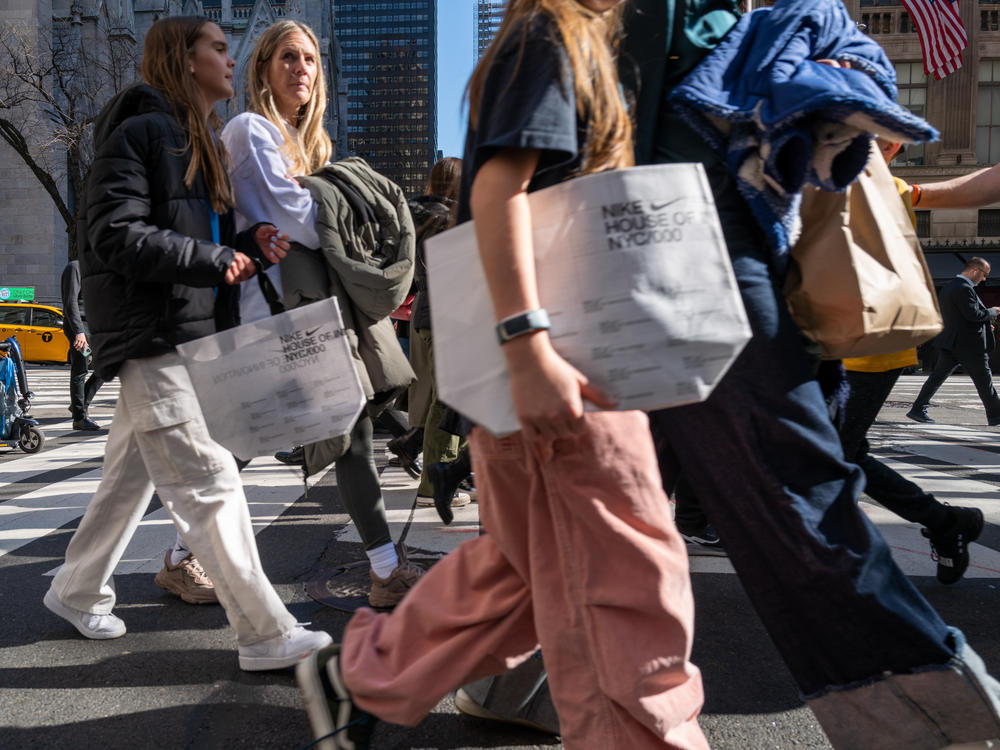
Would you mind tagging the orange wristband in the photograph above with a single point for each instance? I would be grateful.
(916, 191)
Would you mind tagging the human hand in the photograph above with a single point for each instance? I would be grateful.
(548, 391)
(272, 243)
(80, 342)
(835, 63)
(241, 269)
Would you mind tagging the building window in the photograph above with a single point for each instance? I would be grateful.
(988, 113)
(989, 223)
(912, 83)
(989, 20)
(923, 223)
(877, 23)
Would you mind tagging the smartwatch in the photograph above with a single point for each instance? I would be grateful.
(521, 324)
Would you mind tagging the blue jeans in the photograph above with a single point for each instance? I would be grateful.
(766, 462)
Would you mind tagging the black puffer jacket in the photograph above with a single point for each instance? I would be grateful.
(148, 262)
(431, 215)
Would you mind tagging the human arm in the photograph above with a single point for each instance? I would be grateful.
(548, 391)
(72, 315)
(971, 308)
(121, 231)
(972, 190)
(262, 187)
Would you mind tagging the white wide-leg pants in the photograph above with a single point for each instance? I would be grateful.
(158, 438)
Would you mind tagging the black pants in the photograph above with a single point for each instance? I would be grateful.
(869, 390)
(978, 369)
(81, 388)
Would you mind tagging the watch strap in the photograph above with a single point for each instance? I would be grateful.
(522, 324)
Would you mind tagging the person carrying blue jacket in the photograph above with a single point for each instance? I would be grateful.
(872, 659)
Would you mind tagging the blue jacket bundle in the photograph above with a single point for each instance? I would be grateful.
(780, 119)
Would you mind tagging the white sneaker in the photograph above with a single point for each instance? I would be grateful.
(458, 500)
(98, 627)
(282, 650)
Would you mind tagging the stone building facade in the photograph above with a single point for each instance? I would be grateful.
(33, 236)
(964, 106)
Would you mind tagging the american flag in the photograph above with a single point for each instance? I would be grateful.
(942, 35)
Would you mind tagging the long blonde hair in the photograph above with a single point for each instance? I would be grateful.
(165, 52)
(311, 148)
(589, 39)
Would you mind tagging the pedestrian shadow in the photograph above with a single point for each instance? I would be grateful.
(741, 669)
(226, 720)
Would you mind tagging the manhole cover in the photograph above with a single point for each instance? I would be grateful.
(345, 588)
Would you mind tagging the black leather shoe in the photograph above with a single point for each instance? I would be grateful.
(410, 463)
(445, 483)
(85, 424)
(919, 415)
(295, 457)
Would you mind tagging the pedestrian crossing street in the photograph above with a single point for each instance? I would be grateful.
(957, 459)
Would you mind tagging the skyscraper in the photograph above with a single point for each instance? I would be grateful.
(489, 14)
(389, 68)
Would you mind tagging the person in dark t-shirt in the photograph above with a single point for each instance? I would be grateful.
(571, 503)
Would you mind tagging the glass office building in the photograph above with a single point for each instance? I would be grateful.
(489, 14)
(389, 71)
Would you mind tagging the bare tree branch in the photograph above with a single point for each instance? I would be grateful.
(54, 86)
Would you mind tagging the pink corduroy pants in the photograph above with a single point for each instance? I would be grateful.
(581, 557)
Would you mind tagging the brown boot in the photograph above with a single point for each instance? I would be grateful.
(188, 580)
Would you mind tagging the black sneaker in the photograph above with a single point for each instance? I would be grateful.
(919, 415)
(337, 723)
(950, 548)
(703, 540)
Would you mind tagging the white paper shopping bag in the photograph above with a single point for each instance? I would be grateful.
(634, 272)
(276, 383)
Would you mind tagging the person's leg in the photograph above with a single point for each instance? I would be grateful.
(819, 574)
(945, 366)
(113, 514)
(439, 446)
(197, 481)
(978, 369)
(602, 501)
(93, 384)
(358, 485)
(868, 392)
(546, 515)
(77, 381)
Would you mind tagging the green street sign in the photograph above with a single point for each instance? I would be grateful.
(17, 293)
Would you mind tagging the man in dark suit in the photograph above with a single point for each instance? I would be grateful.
(966, 339)
(81, 390)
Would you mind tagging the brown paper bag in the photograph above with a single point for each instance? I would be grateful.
(858, 283)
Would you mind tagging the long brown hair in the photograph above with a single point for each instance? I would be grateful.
(589, 39)
(445, 178)
(165, 67)
(311, 148)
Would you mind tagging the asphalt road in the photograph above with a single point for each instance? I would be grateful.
(173, 681)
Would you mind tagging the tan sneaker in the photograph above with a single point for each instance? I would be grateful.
(388, 592)
(188, 580)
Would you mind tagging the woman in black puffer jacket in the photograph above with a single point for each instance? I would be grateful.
(159, 242)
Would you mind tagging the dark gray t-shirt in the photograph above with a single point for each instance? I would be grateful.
(527, 102)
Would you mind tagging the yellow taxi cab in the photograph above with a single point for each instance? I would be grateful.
(38, 329)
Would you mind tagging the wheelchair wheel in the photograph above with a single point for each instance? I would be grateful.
(31, 439)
